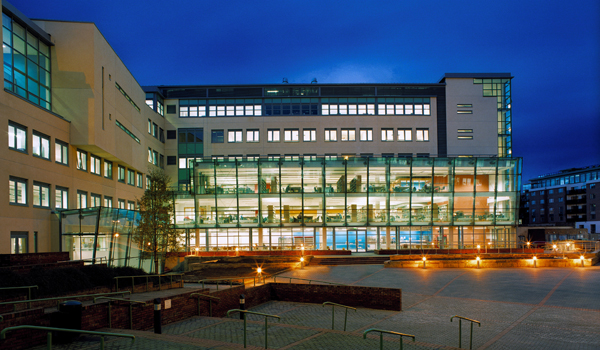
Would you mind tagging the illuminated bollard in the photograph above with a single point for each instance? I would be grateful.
(302, 262)
(157, 317)
(581, 258)
(424, 262)
(535, 261)
(478, 259)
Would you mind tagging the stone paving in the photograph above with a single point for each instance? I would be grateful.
(519, 308)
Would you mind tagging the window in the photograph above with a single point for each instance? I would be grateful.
(560, 199)
(41, 195)
(405, 135)
(17, 191)
(252, 136)
(148, 182)
(542, 193)
(422, 134)
(155, 130)
(532, 202)
(234, 136)
(131, 205)
(348, 135)
(108, 169)
(41, 145)
(560, 190)
(366, 134)
(217, 136)
(150, 126)
(291, 135)
(171, 134)
(61, 152)
(551, 200)
(108, 202)
(541, 201)
(310, 135)
(273, 135)
(273, 156)
(330, 135)
(61, 198)
(310, 157)
(19, 242)
(81, 160)
(464, 105)
(17, 137)
(155, 158)
(96, 200)
(95, 166)
(387, 135)
(171, 109)
(121, 173)
(140, 180)
(464, 112)
(551, 192)
(26, 63)
(253, 157)
(81, 199)
(121, 203)
(130, 177)
(465, 137)
(464, 131)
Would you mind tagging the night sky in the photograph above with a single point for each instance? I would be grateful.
(552, 48)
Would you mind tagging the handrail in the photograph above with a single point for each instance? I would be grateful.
(210, 299)
(60, 298)
(460, 318)
(381, 331)
(333, 313)
(51, 329)
(244, 312)
(28, 291)
(120, 299)
(148, 276)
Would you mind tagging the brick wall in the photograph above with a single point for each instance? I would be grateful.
(32, 258)
(24, 269)
(184, 305)
(369, 297)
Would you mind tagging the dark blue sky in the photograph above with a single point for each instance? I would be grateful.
(551, 47)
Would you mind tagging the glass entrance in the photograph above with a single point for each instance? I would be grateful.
(362, 239)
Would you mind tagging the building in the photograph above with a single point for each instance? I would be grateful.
(328, 166)
(565, 198)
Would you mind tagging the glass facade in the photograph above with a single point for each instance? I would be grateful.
(351, 204)
(26, 63)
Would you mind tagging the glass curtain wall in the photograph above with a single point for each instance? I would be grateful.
(434, 203)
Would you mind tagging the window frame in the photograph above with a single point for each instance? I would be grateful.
(290, 133)
(368, 134)
(404, 131)
(385, 135)
(82, 195)
(121, 173)
(107, 202)
(252, 135)
(40, 187)
(214, 135)
(81, 162)
(40, 139)
(24, 188)
(348, 131)
(131, 177)
(238, 136)
(62, 148)
(424, 134)
(93, 198)
(15, 137)
(108, 169)
(95, 165)
(311, 133)
(273, 135)
(63, 192)
(328, 132)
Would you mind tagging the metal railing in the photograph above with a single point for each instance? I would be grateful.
(58, 299)
(460, 318)
(23, 287)
(53, 329)
(244, 312)
(210, 299)
(333, 313)
(120, 299)
(381, 331)
(147, 282)
(309, 280)
(231, 280)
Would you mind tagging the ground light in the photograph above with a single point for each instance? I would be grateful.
(535, 261)
(259, 270)
(302, 262)
(424, 262)
(197, 251)
(478, 247)
(478, 259)
(582, 259)
(237, 251)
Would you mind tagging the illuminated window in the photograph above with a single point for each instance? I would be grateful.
(108, 201)
(41, 145)
(17, 191)
(108, 169)
(121, 173)
(387, 135)
(405, 135)
(422, 134)
(95, 200)
(309, 135)
(234, 136)
(273, 135)
(366, 134)
(466, 137)
(348, 135)
(61, 152)
(291, 135)
(17, 137)
(330, 135)
(61, 198)
(464, 112)
(252, 136)
(81, 200)
(95, 167)
(82, 160)
(41, 195)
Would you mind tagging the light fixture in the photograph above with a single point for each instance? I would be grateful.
(582, 259)
(258, 270)
(424, 262)
(535, 261)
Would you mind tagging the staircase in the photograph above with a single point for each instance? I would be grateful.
(348, 260)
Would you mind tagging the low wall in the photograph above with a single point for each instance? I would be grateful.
(471, 262)
(296, 252)
(184, 305)
(32, 258)
(483, 250)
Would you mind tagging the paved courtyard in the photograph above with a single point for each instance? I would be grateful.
(545, 308)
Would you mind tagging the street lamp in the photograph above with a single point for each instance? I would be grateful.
(302, 262)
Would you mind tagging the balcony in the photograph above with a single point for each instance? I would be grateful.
(574, 211)
(575, 218)
(576, 191)
(576, 201)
